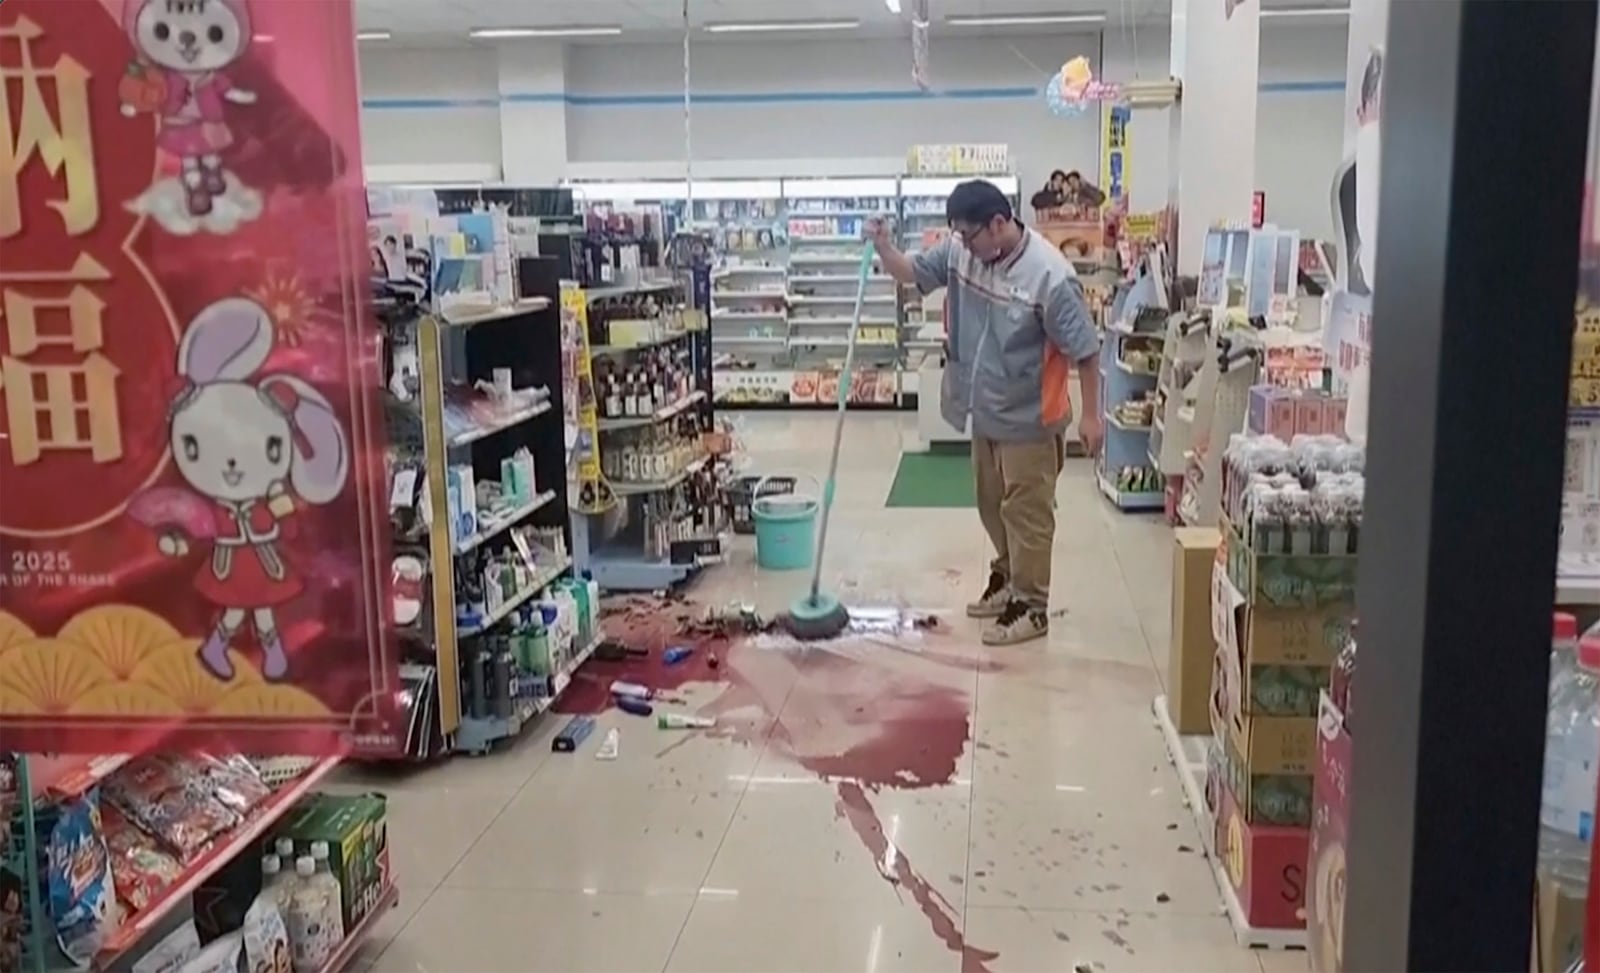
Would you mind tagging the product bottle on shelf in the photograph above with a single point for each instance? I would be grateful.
(1563, 648)
(1571, 756)
(316, 924)
(276, 881)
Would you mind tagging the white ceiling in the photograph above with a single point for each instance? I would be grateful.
(447, 21)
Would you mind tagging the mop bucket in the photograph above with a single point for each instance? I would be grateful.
(786, 526)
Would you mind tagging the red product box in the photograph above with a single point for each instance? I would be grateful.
(1330, 824)
(1309, 413)
(1265, 864)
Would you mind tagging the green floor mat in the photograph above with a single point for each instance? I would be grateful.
(939, 478)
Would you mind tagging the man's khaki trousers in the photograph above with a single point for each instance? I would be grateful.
(1016, 502)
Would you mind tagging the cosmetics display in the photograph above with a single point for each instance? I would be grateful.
(516, 671)
(478, 452)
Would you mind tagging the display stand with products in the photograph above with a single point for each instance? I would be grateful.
(1185, 348)
(1282, 597)
(649, 481)
(827, 224)
(123, 861)
(491, 624)
(1222, 400)
(802, 235)
(1578, 557)
(1129, 365)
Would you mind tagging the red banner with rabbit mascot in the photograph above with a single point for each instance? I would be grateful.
(193, 534)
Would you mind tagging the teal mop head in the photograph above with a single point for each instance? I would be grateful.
(816, 616)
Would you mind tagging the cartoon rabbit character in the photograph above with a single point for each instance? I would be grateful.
(256, 447)
(184, 46)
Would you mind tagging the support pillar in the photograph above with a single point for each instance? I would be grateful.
(1216, 53)
(1464, 470)
(533, 113)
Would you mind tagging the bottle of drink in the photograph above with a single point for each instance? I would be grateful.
(276, 881)
(1571, 757)
(1563, 647)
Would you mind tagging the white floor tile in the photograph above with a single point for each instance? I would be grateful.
(495, 931)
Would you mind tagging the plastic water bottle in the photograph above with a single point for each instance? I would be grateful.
(1571, 757)
(1563, 648)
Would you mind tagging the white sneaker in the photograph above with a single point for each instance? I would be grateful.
(993, 600)
(1017, 622)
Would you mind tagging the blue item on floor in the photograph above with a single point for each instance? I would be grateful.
(786, 535)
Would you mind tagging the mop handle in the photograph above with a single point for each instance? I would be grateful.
(838, 426)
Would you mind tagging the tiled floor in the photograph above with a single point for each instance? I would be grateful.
(903, 802)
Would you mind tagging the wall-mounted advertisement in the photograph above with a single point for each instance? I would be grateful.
(192, 520)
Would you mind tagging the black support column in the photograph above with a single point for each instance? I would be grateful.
(1485, 109)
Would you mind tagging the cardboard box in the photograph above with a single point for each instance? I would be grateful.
(1285, 580)
(1190, 660)
(1558, 928)
(356, 830)
(1265, 865)
(1267, 762)
(1330, 826)
(1278, 659)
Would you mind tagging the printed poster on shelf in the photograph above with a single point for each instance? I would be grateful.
(193, 536)
(1355, 211)
(750, 387)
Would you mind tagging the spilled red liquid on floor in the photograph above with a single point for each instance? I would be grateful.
(863, 712)
(856, 807)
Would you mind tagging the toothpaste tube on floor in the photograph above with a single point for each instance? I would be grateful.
(683, 721)
(631, 690)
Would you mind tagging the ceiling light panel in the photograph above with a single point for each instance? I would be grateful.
(1022, 20)
(572, 30)
(773, 26)
(1276, 12)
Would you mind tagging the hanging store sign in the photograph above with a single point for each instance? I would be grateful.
(1074, 88)
(1115, 149)
(192, 527)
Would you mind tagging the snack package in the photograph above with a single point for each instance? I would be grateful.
(170, 954)
(140, 869)
(170, 801)
(232, 781)
(266, 937)
(220, 956)
(83, 898)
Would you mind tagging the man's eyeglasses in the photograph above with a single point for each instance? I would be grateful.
(969, 239)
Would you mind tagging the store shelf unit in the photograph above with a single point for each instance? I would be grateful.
(196, 893)
(1130, 360)
(780, 352)
(1127, 387)
(493, 481)
(1184, 348)
(646, 486)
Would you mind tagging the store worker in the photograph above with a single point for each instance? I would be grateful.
(1016, 317)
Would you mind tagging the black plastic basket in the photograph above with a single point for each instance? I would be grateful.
(742, 494)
